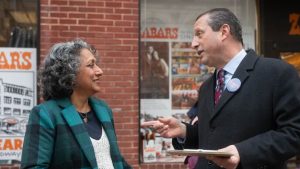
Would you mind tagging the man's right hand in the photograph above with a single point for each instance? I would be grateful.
(168, 127)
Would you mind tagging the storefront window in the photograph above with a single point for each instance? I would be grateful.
(18, 58)
(170, 72)
(18, 26)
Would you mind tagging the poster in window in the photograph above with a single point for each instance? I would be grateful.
(17, 97)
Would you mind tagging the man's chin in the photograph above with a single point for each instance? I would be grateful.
(203, 61)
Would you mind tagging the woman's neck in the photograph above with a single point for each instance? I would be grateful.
(81, 103)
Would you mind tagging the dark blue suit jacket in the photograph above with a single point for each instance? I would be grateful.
(261, 118)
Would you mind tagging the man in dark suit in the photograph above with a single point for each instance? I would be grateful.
(251, 110)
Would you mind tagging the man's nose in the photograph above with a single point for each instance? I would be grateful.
(195, 43)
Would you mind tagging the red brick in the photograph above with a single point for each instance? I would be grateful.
(44, 27)
(44, 14)
(67, 21)
(44, 2)
(96, 22)
(131, 5)
(95, 16)
(58, 14)
(124, 35)
(68, 8)
(113, 4)
(68, 34)
(113, 17)
(96, 3)
(105, 10)
(131, 17)
(132, 29)
(96, 28)
(87, 9)
(59, 27)
(123, 11)
(78, 28)
(49, 33)
(77, 3)
(122, 23)
(130, 41)
(77, 15)
(46, 8)
(114, 29)
(59, 2)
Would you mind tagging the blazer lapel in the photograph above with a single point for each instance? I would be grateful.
(103, 114)
(77, 127)
(242, 74)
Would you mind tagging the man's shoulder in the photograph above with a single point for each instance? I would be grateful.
(274, 63)
(271, 62)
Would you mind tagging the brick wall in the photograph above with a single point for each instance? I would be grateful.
(112, 26)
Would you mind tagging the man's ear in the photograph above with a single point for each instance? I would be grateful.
(225, 31)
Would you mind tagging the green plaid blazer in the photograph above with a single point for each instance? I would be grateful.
(56, 137)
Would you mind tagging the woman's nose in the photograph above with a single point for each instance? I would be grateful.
(99, 71)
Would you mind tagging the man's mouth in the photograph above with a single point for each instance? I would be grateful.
(199, 52)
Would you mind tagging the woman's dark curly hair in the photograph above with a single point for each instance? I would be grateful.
(61, 65)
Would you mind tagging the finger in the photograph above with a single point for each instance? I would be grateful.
(161, 129)
(221, 162)
(148, 124)
(166, 133)
(165, 120)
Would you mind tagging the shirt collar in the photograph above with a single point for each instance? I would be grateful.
(232, 65)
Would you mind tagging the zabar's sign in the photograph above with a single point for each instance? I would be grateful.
(294, 19)
(11, 144)
(160, 33)
(15, 59)
(11, 148)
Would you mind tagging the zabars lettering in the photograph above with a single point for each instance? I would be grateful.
(295, 26)
(160, 33)
(15, 60)
(11, 144)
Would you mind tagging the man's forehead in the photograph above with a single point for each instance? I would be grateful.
(201, 22)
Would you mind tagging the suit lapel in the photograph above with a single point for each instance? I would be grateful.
(242, 74)
(77, 127)
(210, 93)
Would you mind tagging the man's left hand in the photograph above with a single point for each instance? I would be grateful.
(229, 163)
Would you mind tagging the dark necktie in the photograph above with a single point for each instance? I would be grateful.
(220, 85)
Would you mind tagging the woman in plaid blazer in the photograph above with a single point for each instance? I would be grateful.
(71, 129)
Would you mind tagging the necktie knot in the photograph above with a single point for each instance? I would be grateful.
(220, 83)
